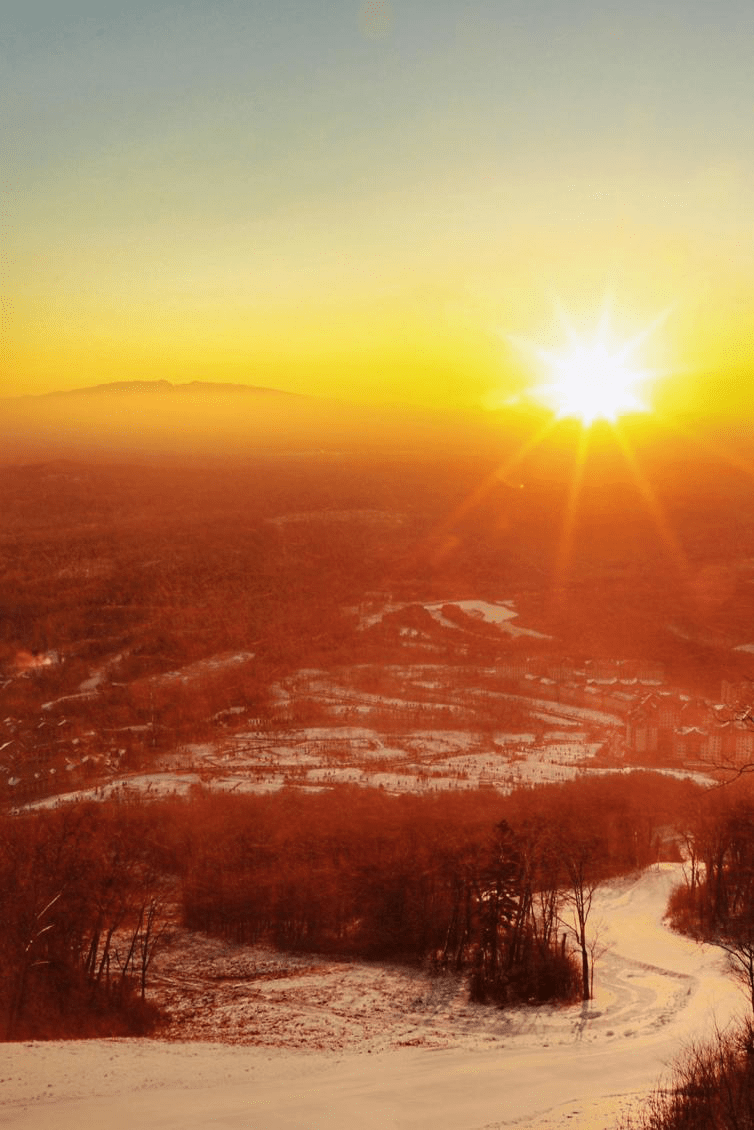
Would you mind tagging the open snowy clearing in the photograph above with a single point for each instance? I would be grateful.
(316, 1043)
(418, 762)
(497, 613)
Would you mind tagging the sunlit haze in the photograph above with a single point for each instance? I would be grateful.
(349, 200)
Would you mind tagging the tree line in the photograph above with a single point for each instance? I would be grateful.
(497, 890)
(83, 914)
(716, 903)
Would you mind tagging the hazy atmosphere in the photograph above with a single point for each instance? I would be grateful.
(377, 565)
(363, 201)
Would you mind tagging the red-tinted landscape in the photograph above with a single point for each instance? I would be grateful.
(376, 565)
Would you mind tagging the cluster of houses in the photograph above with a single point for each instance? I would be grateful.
(42, 755)
(661, 724)
(610, 685)
(694, 732)
(45, 751)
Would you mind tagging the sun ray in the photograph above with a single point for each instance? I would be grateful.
(672, 545)
(603, 326)
(439, 541)
(565, 322)
(717, 451)
(500, 474)
(592, 378)
(565, 541)
(630, 347)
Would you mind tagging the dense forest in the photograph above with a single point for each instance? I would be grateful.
(168, 565)
(495, 890)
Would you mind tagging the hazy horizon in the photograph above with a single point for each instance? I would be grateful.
(376, 201)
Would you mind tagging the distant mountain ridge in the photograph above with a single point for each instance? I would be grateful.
(155, 418)
(161, 387)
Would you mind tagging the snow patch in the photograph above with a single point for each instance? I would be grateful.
(334, 1045)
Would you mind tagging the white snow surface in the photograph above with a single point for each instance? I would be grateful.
(154, 784)
(499, 613)
(496, 613)
(336, 1045)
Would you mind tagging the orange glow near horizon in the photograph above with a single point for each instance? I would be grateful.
(360, 231)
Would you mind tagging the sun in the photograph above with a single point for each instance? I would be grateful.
(594, 378)
(589, 382)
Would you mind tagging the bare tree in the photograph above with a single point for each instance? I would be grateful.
(28, 961)
(597, 948)
(579, 899)
(580, 854)
(738, 943)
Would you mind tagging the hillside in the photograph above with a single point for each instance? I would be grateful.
(346, 1043)
(145, 607)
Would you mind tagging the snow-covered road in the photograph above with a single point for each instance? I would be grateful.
(576, 1066)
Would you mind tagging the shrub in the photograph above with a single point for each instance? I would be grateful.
(712, 1088)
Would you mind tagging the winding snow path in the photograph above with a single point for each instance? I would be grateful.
(576, 1066)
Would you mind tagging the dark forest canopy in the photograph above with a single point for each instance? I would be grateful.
(473, 883)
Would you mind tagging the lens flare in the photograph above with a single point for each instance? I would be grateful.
(593, 379)
(591, 383)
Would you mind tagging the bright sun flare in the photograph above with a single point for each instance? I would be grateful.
(591, 383)
(595, 379)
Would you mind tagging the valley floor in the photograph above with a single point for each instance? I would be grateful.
(269, 1043)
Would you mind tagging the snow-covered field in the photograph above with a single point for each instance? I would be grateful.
(311, 1043)
(499, 613)
(315, 757)
(412, 762)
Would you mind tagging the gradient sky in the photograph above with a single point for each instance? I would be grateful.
(363, 200)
